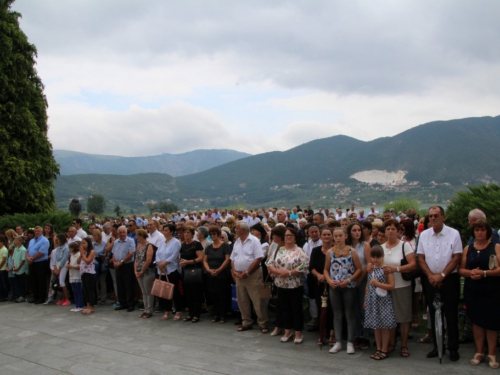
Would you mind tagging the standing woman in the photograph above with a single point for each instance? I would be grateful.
(355, 238)
(191, 257)
(482, 290)
(111, 267)
(367, 227)
(317, 267)
(100, 256)
(87, 272)
(410, 239)
(216, 262)
(402, 293)
(289, 266)
(60, 269)
(277, 241)
(342, 268)
(145, 271)
(167, 263)
(48, 233)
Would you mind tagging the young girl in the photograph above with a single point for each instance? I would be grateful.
(74, 275)
(61, 259)
(379, 314)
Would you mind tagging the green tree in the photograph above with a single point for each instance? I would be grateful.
(403, 204)
(96, 204)
(118, 210)
(27, 165)
(75, 207)
(484, 197)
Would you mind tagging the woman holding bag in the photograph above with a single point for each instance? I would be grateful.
(167, 262)
(394, 251)
(191, 256)
(144, 271)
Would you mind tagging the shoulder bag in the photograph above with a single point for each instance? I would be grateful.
(409, 276)
(163, 289)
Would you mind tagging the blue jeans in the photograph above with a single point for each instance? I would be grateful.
(78, 294)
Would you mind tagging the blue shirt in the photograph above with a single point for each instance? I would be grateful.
(133, 236)
(122, 248)
(39, 245)
(169, 253)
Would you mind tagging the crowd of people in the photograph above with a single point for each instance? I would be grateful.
(372, 269)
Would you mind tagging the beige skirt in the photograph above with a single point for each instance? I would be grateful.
(401, 300)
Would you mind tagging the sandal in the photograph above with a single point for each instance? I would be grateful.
(390, 349)
(375, 355)
(277, 331)
(320, 342)
(195, 320)
(244, 328)
(188, 319)
(425, 340)
(216, 319)
(381, 356)
(177, 317)
(166, 316)
(147, 316)
(478, 358)
(222, 320)
(264, 329)
(142, 315)
(405, 353)
(492, 361)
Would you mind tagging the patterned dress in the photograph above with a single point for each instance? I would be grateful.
(379, 311)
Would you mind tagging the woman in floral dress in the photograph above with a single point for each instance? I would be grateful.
(289, 266)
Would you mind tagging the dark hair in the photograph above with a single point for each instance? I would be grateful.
(408, 229)
(367, 224)
(426, 222)
(482, 224)
(190, 229)
(78, 221)
(259, 228)
(215, 228)
(441, 209)
(73, 246)
(390, 222)
(294, 232)
(349, 229)
(171, 227)
(89, 245)
(3, 239)
(382, 229)
(62, 238)
(308, 226)
(377, 252)
(279, 231)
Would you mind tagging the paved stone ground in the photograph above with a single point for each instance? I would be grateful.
(52, 340)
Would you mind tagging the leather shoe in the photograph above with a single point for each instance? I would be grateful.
(465, 340)
(454, 356)
(130, 309)
(121, 308)
(433, 353)
(312, 328)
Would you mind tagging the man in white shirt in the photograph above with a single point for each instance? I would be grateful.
(155, 236)
(77, 223)
(253, 220)
(73, 237)
(339, 215)
(245, 265)
(439, 254)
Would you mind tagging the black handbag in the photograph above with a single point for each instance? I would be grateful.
(409, 276)
(193, 276)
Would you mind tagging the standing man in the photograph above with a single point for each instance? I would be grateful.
(37, 258)
(313, 241)
(123, 260)
(245, 265)
(77, 223)
(281, 217)
(439, 254)
(132, 227)
(155, 236)
(361, 216)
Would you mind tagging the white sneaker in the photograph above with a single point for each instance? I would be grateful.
(78, 309)
(350, 348)
(336, 348)
(73, 310)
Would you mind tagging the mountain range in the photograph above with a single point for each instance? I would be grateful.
(450, 153)
(72, 162)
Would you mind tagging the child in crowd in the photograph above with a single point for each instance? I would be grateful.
(20, 270)
(87, 274)
(379, 314)
(4, 282)
(74, 275)
(60, 270)
(10, 273)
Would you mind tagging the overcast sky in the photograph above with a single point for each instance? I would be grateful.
(138, 78)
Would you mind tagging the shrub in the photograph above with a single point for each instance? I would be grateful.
(60, 220)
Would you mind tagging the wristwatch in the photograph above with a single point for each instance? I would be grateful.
(443, 275)
(484, 274)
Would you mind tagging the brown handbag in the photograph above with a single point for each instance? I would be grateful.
(163, 289)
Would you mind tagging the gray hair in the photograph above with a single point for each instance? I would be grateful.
(203, 231)
(477, 214)
(106, 226)
(244, 225)
(121, 228)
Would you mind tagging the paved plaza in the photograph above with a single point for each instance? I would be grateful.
(38, 339)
